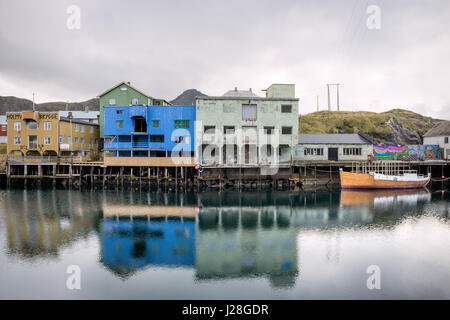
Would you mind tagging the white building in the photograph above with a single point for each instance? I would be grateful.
(86, 115)
(242, 128)
(439, 135)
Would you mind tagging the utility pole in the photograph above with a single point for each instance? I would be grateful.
(329, 101)
(337, 93)
(317, 103)
(337, 96)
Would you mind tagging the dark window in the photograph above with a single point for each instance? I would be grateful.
(352, 151)
(184, 124)
(228, 129)
(446, 140)
(119, 111)
(286, 130)
(269, 130)
(209, 129)
(313, 152)
(286, 108)
(119, 124)
(156, 138)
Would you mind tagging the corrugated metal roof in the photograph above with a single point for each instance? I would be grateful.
(442, 129)
(240, 94)
(80, 114)
(339, 138)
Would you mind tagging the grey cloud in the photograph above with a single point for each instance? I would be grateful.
(168, 46)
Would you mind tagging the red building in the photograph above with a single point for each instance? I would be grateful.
(3, 130)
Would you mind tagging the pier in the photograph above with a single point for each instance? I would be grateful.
(162, 173)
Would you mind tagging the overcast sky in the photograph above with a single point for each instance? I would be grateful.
(166, 47)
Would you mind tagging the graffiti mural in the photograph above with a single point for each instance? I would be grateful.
(406, 152)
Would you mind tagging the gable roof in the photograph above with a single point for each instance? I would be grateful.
(339, 138)
(442, 129)
(128, 85)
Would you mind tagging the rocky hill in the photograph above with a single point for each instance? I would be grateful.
(396, 126)
(187, 98)
(11, 104)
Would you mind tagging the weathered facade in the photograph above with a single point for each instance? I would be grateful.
(243, 129)
(124, 94)
(33, 133)
(440, 135)
(148, 132)
(332, 147)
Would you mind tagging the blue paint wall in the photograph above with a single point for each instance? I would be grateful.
(131, 245)
(122, 139)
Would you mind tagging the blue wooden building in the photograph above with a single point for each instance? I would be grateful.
(149, 131)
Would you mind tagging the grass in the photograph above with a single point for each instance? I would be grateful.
(371, 123)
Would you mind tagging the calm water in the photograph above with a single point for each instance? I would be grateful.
(280, 245)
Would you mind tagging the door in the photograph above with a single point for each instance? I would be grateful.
(333, 154)
(32, 142)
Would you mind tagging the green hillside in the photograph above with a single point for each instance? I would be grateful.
(396, 126)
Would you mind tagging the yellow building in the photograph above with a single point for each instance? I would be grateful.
(34, 133)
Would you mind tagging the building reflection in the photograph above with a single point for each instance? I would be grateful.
(218, 235)
(39, 223)
(134, 237)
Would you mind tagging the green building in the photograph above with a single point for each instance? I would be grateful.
(124, 94)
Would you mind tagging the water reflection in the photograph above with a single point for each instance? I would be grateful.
(228, 235)
(40, 223)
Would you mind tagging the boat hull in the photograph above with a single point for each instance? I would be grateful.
(350, 180)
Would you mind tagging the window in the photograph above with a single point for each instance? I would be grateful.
(269, 130)
(32, 125)
(69, 139)
(119, 111)
(81, 140)
(91, 141)
(17, 126)
(155, 123)
(181, 124)
(3, 127)
(82, 128)
(61, 140)
(209, 129)
(135, 101)
(228, 129)
(286, 130)
(17, 140)
(76, 127)
(119, 124)
(156, 138)
(123, 88)
(76, 139)
(249, 112)
(96, 141)
(47, 125)
(91, 129)
(286, 108)
(446, 140)
(112, 102)
(313, 152)
(352, 151)
(47, 140)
